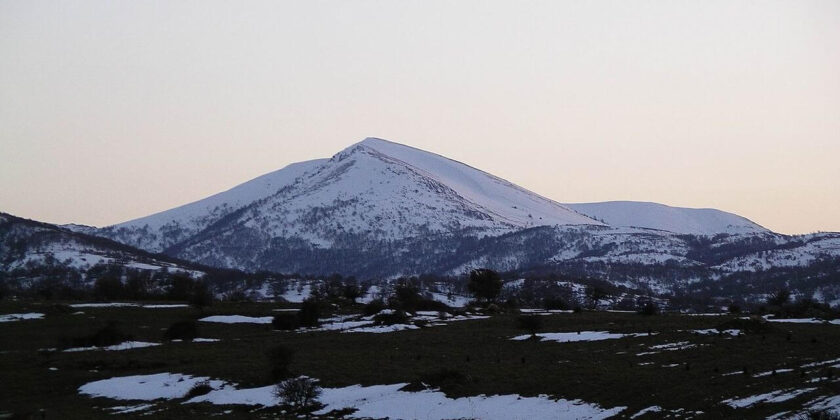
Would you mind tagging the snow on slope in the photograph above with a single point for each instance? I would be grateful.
(27, 244)
(160, 230)
(673, 219)
(393, 191)
(365, 190)
(815, 246)
(499, 197)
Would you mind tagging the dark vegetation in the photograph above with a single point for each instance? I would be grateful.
(461, 358)
(108, 335)
(182, 330)
(530, 323)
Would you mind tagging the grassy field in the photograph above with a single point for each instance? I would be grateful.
(610, 372)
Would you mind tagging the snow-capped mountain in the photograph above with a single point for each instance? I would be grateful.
(673, 219)
(382, 209)
(377, 188)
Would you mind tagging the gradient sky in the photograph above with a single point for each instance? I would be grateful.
(112, 110)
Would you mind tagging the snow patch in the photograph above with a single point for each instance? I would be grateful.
(238, 319)
(20, 317)
(570, 337)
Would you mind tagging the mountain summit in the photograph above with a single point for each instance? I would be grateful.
(375, 187)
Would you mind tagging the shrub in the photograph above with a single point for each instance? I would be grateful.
(108, 288)
(751, 325)
(201, 296)
(530, 323)
(373, 307)
(279, 359)
(309, 313)
(108, 335)
(781, 297)
(200, 388)
(391, 318)
(734, 308)
(351, 292)
(285, 321)
(555, 303)
(300, 393)
(649, 308)
(182, 330)
(485, 284)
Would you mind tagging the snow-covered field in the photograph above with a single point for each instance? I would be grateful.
(128, 345)
(769, 397)
(377, 401)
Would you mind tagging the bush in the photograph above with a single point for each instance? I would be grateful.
(108, 335)
(734, 308)
(751, 325)
(279, 360)
(373, 307)
(201, 296)
(309, 313)
(299, 393)
(391, 318)
(485, 284)
(649, 308)
(554, 304)
(182, 330)
(108, 288)
(200, 388)
(531, 323)
(779, 298)
(285, 321)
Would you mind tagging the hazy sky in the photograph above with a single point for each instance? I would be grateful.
(112, 110)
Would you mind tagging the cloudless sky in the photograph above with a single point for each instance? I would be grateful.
(113, 110)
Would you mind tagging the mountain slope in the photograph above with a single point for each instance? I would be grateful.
(374, 191)
(28, 247)
(158, 231)
(376, 188)
(673, 219)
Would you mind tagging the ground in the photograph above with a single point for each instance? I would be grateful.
(668, 365)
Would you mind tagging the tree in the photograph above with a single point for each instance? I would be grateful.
(594, 294)
(352, 292)
(649, 308)
(309, 313)
(181, 287)
(780, 298)
(108, 288)
(485, 284)
(200, 296)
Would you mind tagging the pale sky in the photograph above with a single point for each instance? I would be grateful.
(113, 110)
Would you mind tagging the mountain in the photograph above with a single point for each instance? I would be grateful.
(673, 219)
(32, 251)
(375, 188)
(379, 209)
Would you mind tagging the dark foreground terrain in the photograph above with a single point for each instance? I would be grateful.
(692, 375)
